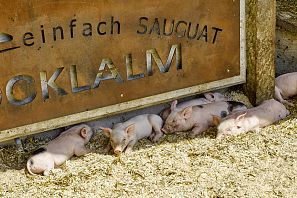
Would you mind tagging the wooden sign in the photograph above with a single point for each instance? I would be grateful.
(64, 62)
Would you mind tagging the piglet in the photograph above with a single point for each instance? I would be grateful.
(285, 87)
(56, 152)
(123, 136)
(198, 118)
(209, 98)
(252, 119)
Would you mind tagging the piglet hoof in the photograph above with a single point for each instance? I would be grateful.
(288, 103)
(46, 172)
(257, 130)
(157, 138)
(151, 137)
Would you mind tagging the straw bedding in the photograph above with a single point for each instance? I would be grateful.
(262, 164)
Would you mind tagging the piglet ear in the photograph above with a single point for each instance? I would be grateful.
(240, 117)
(130, 129)
(106, 131)
(187, 112)
(83, 132)
(209, 96)
(173, 105)
(216, 120)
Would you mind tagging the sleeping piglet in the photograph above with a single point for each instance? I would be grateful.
(263, 115)
(198, 118)
(285, 87)
(56, 152)
(123, 136)
(209, 98)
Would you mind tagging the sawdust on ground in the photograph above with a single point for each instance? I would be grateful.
(262, 164)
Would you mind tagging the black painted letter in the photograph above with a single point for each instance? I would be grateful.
(98, 28)
(55, 32)
(180, 34)
(26, 38)
(117, 23)
(87, 31)
(156, 27)
(216, 33)
(72, 25)
(142, 25)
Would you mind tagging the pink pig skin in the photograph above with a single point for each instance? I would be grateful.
(263, 115)
(123, 136)
(56, 152)
(198, 118)
(286, 87)
(209, 98)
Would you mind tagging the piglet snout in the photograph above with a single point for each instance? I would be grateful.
(117, 152)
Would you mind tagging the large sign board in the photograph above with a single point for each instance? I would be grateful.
(64, 62)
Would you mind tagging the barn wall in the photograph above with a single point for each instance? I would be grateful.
(286, 37)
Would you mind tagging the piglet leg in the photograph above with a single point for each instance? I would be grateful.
(46, 172)
(49, 167)
(152, 135)
(288, 103)
(279, 97)
(157, 136)
(156, 123)
(130, 146)
(198, 129)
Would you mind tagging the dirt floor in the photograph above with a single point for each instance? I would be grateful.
(262, 164)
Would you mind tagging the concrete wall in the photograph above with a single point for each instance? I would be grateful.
(286, 37)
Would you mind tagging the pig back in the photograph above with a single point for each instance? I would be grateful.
(143, 127)
(268, 112)
(194, 102)
(205, 113)
(63, 147)
(287, 83)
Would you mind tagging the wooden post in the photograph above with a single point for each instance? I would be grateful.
(261, 22)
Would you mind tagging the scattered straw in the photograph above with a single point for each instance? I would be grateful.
(262, 164)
